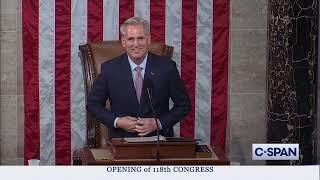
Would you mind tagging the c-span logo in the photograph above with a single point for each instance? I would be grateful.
(275, 151)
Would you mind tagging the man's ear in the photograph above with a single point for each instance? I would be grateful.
(149, 39)
(123, 41)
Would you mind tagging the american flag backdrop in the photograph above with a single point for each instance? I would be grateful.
(55, 123)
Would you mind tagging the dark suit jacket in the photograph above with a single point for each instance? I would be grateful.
(116, 84)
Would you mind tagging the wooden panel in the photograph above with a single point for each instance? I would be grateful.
(104, 157)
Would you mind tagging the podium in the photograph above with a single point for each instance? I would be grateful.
(170, 148)
(144, 153)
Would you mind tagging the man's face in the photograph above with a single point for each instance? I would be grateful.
(136, 42)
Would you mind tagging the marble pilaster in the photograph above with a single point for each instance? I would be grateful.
(292, 76)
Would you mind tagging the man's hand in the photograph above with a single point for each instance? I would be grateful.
(127, 123)
(146, 126)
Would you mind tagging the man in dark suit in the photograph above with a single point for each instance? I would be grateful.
(123, 81)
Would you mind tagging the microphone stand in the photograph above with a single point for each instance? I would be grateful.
(154, 115)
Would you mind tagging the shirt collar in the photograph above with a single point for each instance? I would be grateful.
(142, 65)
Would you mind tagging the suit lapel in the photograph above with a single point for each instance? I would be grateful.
(128, 83)
(147, 74)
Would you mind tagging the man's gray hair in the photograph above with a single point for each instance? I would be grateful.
(135, 21)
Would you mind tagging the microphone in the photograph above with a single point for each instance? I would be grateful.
(149, 87)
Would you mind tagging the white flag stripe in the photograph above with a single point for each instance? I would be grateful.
(78, 109)
(203, 71)
(142, 9)
(47, 81)
(173, 27)
(110, 19)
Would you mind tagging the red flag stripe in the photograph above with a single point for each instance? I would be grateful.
(219, 92)
(126, 10)
(30, 19)
(188, 61)
(62, 81)
(157, 20)
(95, 21)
